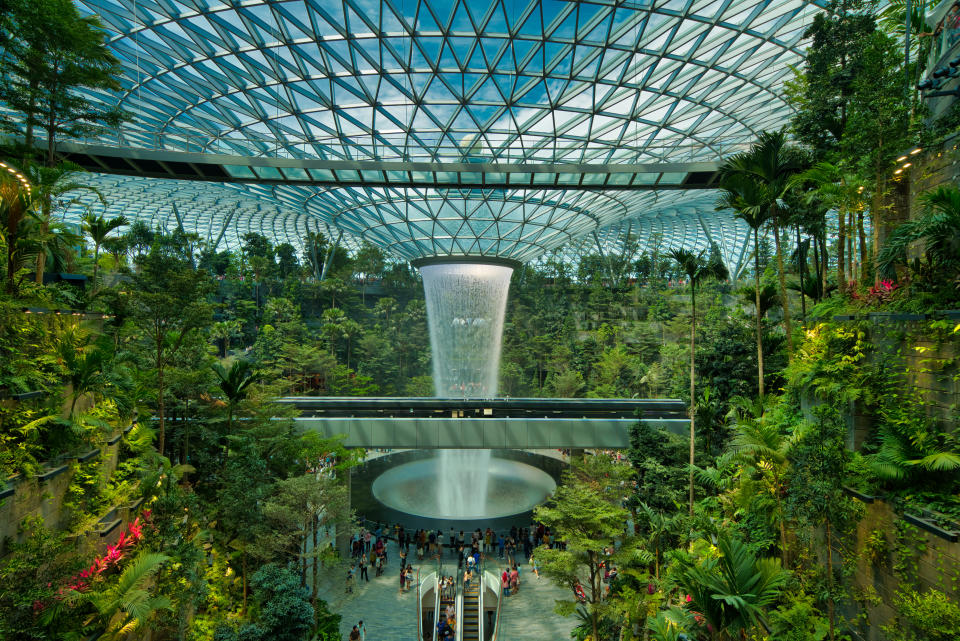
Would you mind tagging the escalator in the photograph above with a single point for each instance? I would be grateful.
(471, 611)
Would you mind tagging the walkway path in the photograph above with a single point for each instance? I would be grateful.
(529, 616)
(387, 614)
(391, 616)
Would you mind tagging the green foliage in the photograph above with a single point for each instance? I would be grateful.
(31, 572)
(127, 605)
(937, 228)
(925, 616)
(585, 513)
(798, 619)
(731, 587)
(283, 609)
(52, 53)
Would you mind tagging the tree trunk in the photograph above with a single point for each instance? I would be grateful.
(96, 264)
(784, 301)
(801, 267)
(824, 256)
(819, 290)
(51, 139)
(44, 229)
(841, 260)
(783, 529)
(593, 595)
(830, 607)
(876, 219)
(756, 290)
(861, 234)
(243, 569)
(160, 393)
(851, 231)
(693, 398)
(313, 597)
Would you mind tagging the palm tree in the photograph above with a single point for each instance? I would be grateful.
(234, 383)
(746, 197)
(771, 162)
(85, 367)
(99, 228)
(731, 591)
(835, 188)
(53, 187)
(938, 228)
(53, 244)
(696, 268)
(15, 208)
(224, 331)
(768, 298)
(125, 607)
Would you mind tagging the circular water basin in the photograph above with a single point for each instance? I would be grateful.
(512, 487)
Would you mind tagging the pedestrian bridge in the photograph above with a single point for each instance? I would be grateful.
(501, 423)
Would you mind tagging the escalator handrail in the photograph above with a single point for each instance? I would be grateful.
(480, 612)
(459, 608)
(498, 591)
(420, 592)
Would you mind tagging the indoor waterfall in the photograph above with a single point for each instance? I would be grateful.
(466, 303)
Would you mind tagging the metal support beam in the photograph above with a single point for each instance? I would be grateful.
(329, 257)
(739, 266)
(223, 229)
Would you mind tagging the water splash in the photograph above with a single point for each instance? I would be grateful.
(466, 304)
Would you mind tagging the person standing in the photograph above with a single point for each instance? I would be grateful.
(363, 568)
(500, 545)
(350, 572)
(363, 631)
(403, 558)
(354, 634)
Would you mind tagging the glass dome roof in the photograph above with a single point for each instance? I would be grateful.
(603, 82)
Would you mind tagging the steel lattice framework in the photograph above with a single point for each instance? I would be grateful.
(602, 82)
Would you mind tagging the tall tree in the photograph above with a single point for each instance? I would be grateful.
(56, 188)
(748, 200)
(771, 162)
(233, 383)
(838, 188)
(53, 56)
(696, 268)
(586, 514)
(168, 304)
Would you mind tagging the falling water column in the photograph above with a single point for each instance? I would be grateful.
(466, 303)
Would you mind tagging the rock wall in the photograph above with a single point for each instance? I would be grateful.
(894, 553)
(43, 495)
